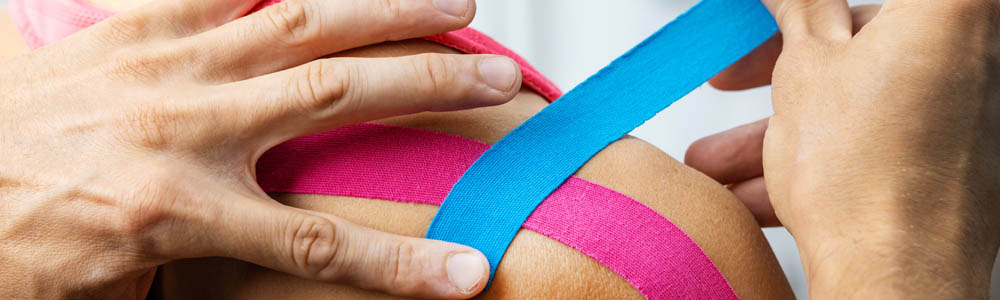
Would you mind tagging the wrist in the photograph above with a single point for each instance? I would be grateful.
(885, 249)
(859, 269)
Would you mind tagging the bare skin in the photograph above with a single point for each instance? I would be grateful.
(535, 266)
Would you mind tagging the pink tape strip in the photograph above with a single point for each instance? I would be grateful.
(420, 166)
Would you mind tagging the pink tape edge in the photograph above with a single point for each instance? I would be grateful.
(420, 166)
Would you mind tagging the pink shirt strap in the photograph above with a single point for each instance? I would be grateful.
(419, 166)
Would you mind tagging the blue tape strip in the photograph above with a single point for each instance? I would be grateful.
(488, 205)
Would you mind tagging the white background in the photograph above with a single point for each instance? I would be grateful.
(570, 39)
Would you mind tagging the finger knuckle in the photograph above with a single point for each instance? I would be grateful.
(151, 201)
(123, 27)
(153, 128)
(293, 22)
(141, 65)
(389, 9)
(794, 12)
(403, 265)
(388, 12)
(322, 85)
(315, 247)
(436, 73)
(784, 9)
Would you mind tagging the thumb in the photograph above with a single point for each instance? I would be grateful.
(326, 248)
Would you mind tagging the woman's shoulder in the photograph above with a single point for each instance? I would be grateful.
(704, 209)
(536, 266)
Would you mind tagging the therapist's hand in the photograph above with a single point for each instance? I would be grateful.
(735, 157)
(883, 156)
(133, 143)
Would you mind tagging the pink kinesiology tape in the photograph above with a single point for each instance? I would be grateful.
(419, 166)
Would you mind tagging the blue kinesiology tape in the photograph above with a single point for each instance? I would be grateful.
(494, 197)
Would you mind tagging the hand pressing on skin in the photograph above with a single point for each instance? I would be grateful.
(883, 156)
(133, 143)
(735, 157)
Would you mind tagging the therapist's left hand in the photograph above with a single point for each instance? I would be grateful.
(134, 142)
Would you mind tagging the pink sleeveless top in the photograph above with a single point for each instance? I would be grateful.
(419, 166)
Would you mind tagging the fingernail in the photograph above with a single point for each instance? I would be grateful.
(453, 7)
(465, 271)
(498, 72)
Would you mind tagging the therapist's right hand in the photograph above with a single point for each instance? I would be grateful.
(883, 155)
(133, 143)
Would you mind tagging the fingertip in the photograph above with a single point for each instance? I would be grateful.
(753, 194)
(695, 154)
(472, 11)
(442, 270)
(725, 81)
(730, 156)
(711, 156)
(468, 272)
(502, 76)
(470, 14)
(463, 10)
(499, 72)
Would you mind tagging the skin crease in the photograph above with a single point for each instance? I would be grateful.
(535, 267)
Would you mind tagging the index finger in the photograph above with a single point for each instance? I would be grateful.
(330, 93)
(731, 156)
(293, 32)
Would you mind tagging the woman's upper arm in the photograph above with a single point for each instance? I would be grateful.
(704, 209)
